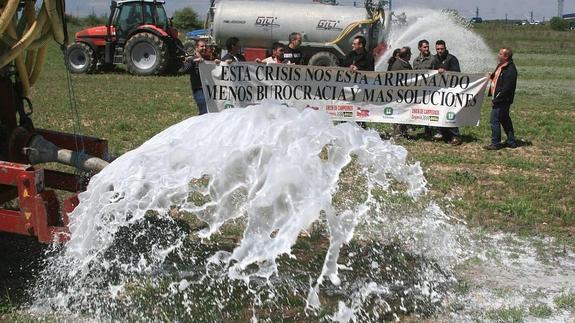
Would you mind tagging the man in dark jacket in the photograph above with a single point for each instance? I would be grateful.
(191, 66)
(359, 59)
(443, 61)
(292, 53)
(400, 64)
(234, 51)
(402, 61)
(502, 90)
(424, 62)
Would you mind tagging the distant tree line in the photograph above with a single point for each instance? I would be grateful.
(89, 20)
(186, 19)
(558, 23)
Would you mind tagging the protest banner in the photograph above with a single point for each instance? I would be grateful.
(419, 97)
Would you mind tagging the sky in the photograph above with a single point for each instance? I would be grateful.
(488, 9)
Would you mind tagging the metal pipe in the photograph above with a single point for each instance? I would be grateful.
(40, 150)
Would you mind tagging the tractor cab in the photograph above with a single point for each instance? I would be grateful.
(128, 16)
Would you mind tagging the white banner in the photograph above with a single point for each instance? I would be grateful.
(419, 97)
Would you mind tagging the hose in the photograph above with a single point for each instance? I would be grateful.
(354, 25)
(55, 20)
(20, 64)
(25, 40)
(30, 14)
(39, 65)
(10, 8)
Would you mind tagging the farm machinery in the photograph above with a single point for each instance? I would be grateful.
(138, 34)
(29, 204)
(327, 29)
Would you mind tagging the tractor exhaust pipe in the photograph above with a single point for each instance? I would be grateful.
(40, 150)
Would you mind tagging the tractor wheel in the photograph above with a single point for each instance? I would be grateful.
(80, 58)
(323, 59)
(146, 54)
(177, 55)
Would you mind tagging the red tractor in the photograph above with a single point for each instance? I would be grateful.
(138, 34)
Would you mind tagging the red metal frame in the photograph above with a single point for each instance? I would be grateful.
(251, 53)
(37, 212)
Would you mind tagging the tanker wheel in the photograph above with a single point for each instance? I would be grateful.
(323, 59)
(80, 58)
(146, 54)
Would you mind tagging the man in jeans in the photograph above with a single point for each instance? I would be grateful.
(502, 91)
(424, 62)
(444, 61)
(191, 66)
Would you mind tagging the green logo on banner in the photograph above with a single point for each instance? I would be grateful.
(450, 116)
(388, 111)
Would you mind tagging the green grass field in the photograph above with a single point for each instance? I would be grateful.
(524, 190)
(527, 189)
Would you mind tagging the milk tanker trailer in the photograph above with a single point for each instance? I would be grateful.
(327, 30)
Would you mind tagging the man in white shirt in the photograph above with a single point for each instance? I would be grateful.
(277, 54)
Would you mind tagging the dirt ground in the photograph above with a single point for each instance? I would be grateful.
(20, 258)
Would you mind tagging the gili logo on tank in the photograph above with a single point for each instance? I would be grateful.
(266, 21)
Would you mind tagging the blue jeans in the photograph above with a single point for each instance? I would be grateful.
(500, 118)
(200, 101)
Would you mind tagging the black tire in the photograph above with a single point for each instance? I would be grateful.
(323, 59)
(81, 58)
(177, 56)
(146, 54)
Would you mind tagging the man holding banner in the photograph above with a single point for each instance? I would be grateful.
(292, 52)
(191, 66)
(444, 61)
(424, 62)
(359, 59)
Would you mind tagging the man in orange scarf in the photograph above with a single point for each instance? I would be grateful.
(502, 89)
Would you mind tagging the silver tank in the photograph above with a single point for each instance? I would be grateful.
(260, 23)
